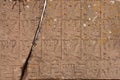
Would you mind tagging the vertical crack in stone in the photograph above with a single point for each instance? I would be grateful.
(25, 65)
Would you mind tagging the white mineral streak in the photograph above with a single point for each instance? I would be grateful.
(94, 18)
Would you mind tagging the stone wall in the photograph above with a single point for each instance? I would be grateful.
(79, 39)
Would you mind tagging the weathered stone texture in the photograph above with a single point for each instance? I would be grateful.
(78, 39)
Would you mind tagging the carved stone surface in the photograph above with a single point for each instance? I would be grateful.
(17, 29)
(79, 39)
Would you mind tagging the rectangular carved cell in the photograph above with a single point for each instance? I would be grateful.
(6, 73)
(27, 29)
(91, 30)
(56, 69)
(9, 29)
(31, 11)
(71, 9)
(93, 69)
(111, 11)
(9, 48)
(91, 49)
(110, 29)
(110, 49)
(6, 11)
(51, 49)
(45, 70)
(33, 71)
(68, 71)
(71, 49)
(90, 10)
(51, 29)
(71, 29)
(80, 70)
(53, 9)
(110, 69)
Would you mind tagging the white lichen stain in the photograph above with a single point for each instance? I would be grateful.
(84, 25)
(109, 37)
(113, 2)
(27, 6)
(55, 20)
(110, 32)
(89, 19)
(89, 6)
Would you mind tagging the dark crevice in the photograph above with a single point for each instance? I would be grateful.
(25, 65)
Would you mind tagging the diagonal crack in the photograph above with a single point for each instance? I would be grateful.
(25, 65)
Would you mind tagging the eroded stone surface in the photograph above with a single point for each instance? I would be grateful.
(17, 29)
(79, 39)
(81, 42)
